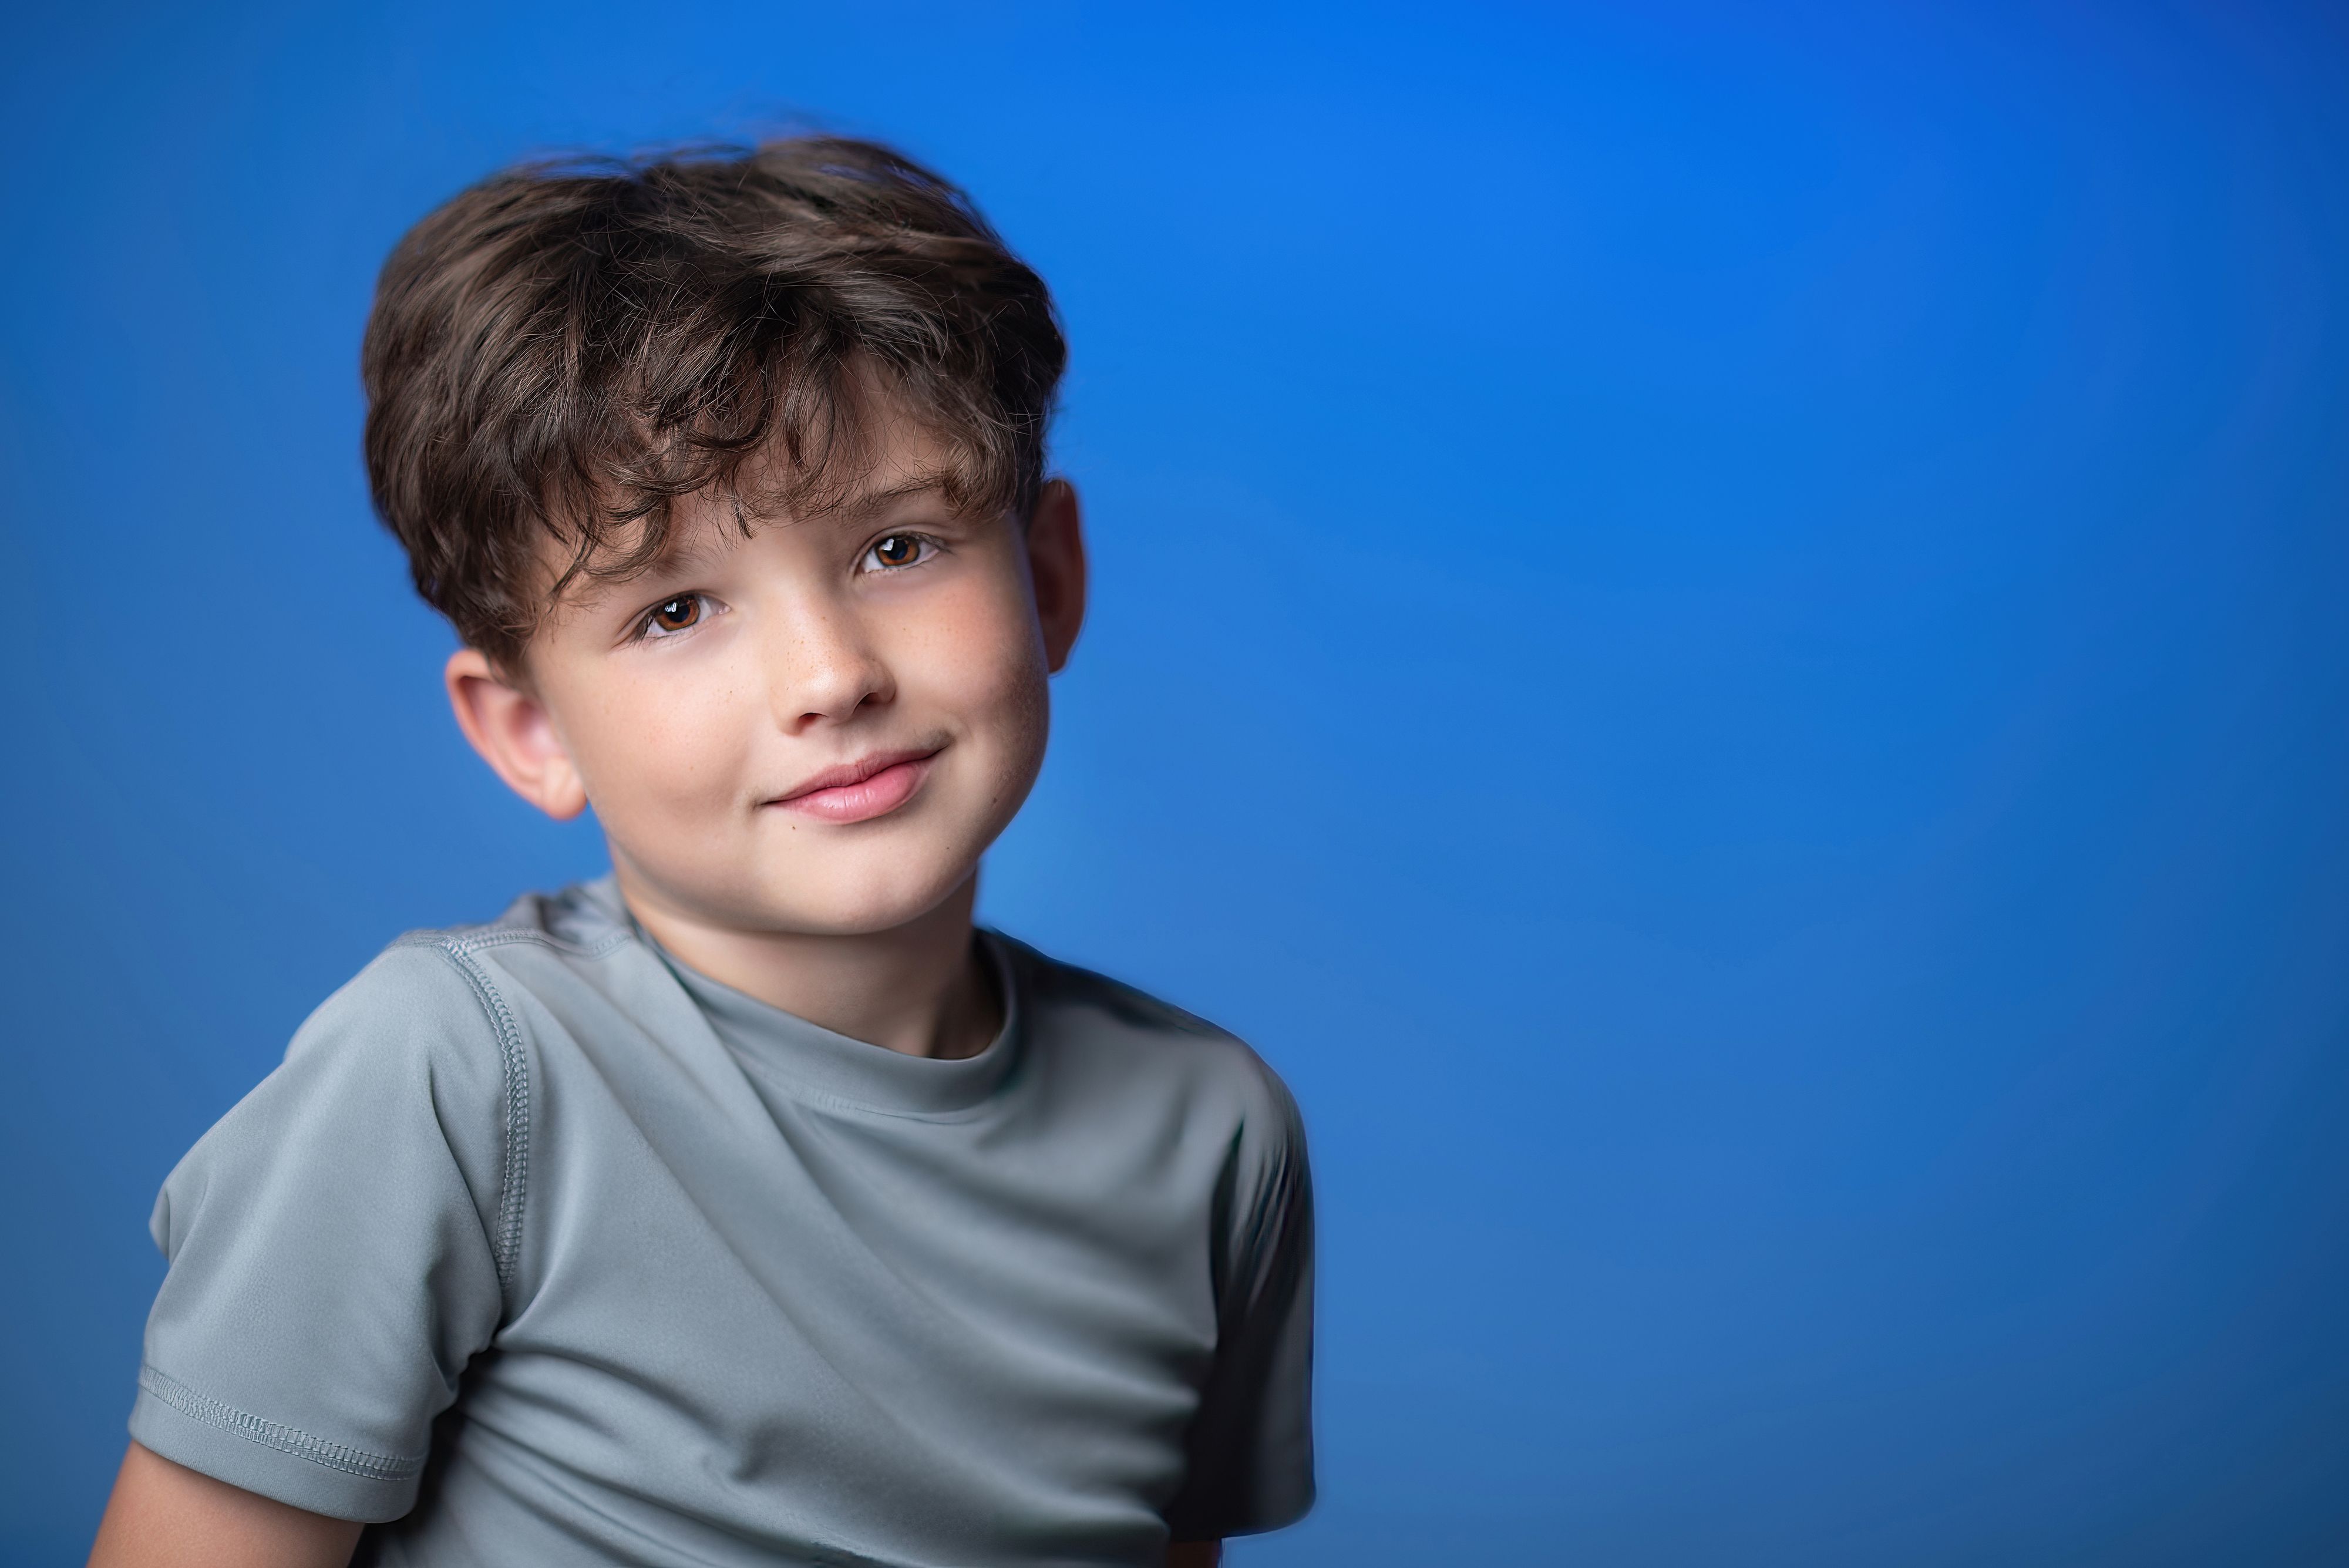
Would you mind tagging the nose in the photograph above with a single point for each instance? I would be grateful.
(822, 668)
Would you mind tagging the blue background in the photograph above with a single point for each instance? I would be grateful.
(1720, 627)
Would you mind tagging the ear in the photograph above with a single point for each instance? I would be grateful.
(1056, 565)
(516, 735)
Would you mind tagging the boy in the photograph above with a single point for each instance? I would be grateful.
(746, 1206)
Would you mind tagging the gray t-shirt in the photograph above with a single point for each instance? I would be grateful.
(555, 1252)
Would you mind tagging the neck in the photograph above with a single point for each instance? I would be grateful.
(919, 988)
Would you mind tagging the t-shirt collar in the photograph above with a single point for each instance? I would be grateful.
(784, 1046)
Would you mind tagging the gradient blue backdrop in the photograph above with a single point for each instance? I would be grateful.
(1721, 628)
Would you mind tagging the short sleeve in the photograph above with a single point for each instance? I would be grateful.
(1250, 1448)
(335, 1243)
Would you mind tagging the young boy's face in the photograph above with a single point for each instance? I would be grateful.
(816, 728)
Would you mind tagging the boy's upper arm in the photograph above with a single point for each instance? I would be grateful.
(335, 1244)
(162, 1513)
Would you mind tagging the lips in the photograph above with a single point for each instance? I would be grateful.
(859, 791)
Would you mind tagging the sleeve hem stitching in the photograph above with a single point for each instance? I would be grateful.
(273, 1434)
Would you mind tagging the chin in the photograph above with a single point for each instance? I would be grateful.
(860, 900)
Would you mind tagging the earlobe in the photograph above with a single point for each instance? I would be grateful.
(515, 735)
(1055, 566)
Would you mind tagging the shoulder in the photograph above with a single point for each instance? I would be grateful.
(428, 1025)
(450, 1010)
(1078, 1013)
(440, 1019)
(424, 1057)
(444, 992)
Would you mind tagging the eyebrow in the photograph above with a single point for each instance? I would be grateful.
(688, 551)
(692, 550)
(863, 507)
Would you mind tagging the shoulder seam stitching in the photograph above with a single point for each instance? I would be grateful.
(506, 936)
(513, 1071)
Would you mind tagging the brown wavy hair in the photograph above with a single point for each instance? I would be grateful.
(563, 351)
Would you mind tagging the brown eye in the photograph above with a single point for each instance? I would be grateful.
(898, 550)
(676, 613)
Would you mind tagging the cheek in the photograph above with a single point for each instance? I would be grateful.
(661, 746)
(979, 656)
